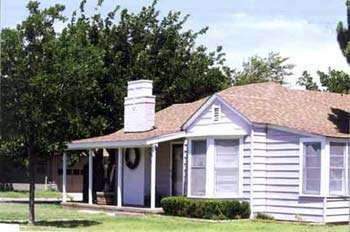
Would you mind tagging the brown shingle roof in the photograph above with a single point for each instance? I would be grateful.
(314, 112)
(167, 121)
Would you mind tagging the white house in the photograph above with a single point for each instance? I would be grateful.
(284, 151)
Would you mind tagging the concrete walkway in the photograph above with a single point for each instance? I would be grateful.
(9, 227)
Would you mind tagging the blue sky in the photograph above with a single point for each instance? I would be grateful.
(303, 30)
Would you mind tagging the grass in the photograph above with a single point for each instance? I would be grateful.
(25, 194)
(52, 217)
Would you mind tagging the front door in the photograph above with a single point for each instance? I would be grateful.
(177, 169)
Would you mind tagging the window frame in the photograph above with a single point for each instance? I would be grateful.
(210, 168)
(346, 192)
(343, 192)
(189, 181)
(323, 168)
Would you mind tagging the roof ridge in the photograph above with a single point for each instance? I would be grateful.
(320, 92)
(271, 83)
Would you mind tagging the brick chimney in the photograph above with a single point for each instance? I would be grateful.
(139, 106)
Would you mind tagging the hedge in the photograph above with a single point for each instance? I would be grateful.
(209, 209)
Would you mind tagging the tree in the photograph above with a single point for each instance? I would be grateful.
(258, 69)
(306, 80)
(29, 106)
(335, 81)
(56, 87)
(343, 34)
(144, 46)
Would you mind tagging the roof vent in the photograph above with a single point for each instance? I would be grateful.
(216, 113)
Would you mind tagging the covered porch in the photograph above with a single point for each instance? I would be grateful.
(135, 174)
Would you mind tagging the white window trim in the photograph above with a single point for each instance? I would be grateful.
(189, 166)
(324, 167)
(209, 193)
(345, 193)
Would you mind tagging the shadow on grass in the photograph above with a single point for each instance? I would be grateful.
(68, 223)
(58, 223)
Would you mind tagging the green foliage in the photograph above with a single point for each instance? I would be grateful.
(210, 209)
(264, 216)
(142, 45)
(30, 111)
(306, 80)
(258, 69)
(335, 81)
(54, 217)
(68, 85)
(10, 193)
(60, 86)
(343, 34)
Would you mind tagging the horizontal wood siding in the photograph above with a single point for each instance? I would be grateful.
(276, 178)
(338, 209)
(259, 170)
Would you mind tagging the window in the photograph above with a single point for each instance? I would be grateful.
(216, 114)
(337, 168)
(198, 170)
(226, 167)
(311, 168)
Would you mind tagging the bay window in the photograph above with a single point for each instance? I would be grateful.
(311, 168)
(337, 168)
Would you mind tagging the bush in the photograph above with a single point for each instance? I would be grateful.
(209, 209)
(264, 216)
(4, 187)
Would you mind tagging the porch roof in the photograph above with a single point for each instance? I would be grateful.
(168, 123)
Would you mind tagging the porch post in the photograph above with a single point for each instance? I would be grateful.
(90, 177)
(119, 184)
(153, 175)
(64, 177)
(184, 167)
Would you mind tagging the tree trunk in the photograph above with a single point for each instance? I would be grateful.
(32, 164)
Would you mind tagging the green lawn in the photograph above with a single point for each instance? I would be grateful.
(25, 194)
(54, 218)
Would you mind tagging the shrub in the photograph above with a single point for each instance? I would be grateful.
(264, 216)
(210, 209)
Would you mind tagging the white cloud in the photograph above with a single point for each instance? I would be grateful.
(309, 46)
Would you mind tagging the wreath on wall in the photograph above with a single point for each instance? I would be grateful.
(132, 157)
